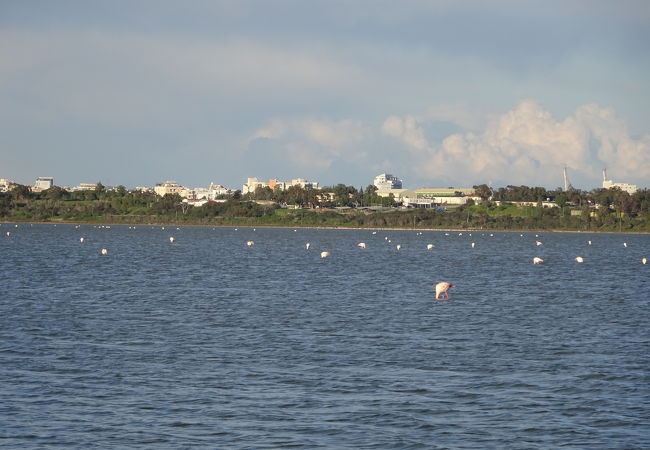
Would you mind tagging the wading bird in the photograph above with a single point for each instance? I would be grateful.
(537, 260)
(442, 289)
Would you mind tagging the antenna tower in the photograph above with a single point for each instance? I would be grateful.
(567, 183)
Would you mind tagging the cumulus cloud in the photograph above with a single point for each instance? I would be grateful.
(314, 143)
(529, 146)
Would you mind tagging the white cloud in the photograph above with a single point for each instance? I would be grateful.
(315, 143)
(529, 146)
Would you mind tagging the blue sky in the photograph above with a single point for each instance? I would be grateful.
(439, 93)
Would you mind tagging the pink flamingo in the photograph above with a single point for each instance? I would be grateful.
(442, 289)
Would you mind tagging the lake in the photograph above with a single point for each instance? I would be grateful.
(207, 342)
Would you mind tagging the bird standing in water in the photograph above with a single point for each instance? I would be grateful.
(442, 289)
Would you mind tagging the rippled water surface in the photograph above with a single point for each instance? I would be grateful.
(206, 342)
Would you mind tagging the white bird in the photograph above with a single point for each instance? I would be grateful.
(538, 243)
(250, 243)
(588, 242)
(307, 245)
(473, 244)
(81, 240)
(644, 260)
(374, 232)
(171, 239)
(385, 238)
(460, 234)
(361, 245)
(442, 289)
(389, 241)
(398, 246)
(446, 234)
(104, 251)
(491, 235)
(624, 244)
(324, 254)
(580, 259)
(429, 246)
(8, 233)
(537, 260)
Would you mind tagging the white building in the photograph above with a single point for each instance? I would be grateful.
(6, 185)
(253, 183)
(607, 184)
(85, 187)
(216, 190)
(304, 183)
(169, 187)
(43, 183)
(386, 181)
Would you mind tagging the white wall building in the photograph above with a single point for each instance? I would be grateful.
(43, 183)
(253, 183)
(169, 187)
(387, 181)
(607, 184)
(304, 183)
(6, 185)
(85, 187)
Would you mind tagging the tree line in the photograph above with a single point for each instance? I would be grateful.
(297, 206)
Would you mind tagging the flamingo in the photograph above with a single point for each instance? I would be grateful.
(442, 289)
(580, 259)
(537, 260)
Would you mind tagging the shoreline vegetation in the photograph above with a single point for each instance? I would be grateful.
(344, 208)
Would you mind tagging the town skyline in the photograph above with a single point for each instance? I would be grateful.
(251, 182)
(440, 93)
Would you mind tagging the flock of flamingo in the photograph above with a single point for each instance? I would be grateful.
(441, 288)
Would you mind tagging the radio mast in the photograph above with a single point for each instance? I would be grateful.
(567, 183)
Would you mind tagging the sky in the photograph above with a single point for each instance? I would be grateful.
(438, 93)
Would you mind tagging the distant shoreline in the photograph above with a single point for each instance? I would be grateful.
(306, 227)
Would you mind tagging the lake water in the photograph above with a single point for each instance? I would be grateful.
(206, 342)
